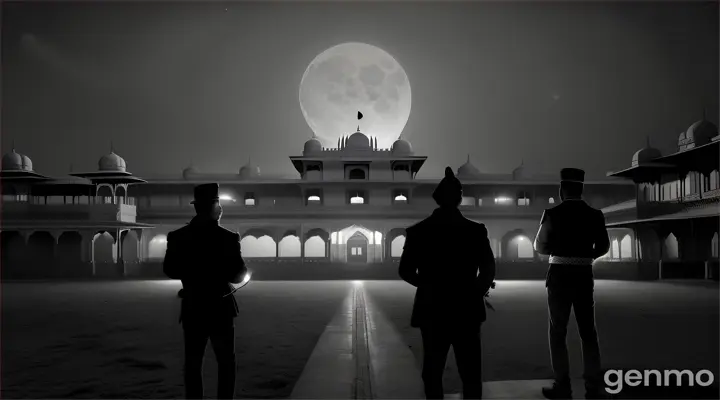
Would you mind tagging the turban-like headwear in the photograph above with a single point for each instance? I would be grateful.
(449, 191)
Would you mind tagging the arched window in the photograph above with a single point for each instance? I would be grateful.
(671, 247)
(157, 247)
(396, 246)
(249, 199)
(626, 247)
(357, 173)
(357, 199)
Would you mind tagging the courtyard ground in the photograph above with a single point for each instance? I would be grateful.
(642, 325)
(121, 339)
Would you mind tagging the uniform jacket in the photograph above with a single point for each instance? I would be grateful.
(207, 258)
(449, 259)
(572, 229)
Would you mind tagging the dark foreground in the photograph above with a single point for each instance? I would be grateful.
(122, 340)
(642, 325)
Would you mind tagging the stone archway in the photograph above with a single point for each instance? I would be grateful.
(317, 243)
(68, 255)
(357, 246)
(396, 246)
(289, 245)
(41, 254)
(258, 243)
(517, 246)
(14, 254)
(104, 255)
(390, 238)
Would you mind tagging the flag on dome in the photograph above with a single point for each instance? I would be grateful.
(359, 115)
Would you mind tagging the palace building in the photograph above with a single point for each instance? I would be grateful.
(345, 214)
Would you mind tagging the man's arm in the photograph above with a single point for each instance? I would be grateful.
(542, 242)
(237, 264)
(487, 262)
(409, 261)
(172, 263)
(601, 239)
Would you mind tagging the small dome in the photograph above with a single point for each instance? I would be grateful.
(188, 172)
(249, 171)
(520, 173)
(26, 163)
(646, 154)
(358, 140)
(700, 133)
(112, 163)
(12, 161)
(401, 147)
(312, 146)
(468, 170)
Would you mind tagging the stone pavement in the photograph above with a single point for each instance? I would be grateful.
(361, 356)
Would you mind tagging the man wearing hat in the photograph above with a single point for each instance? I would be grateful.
(449, 259)
(207, 258)
(573, 234)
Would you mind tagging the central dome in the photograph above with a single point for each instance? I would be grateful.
(358, 140)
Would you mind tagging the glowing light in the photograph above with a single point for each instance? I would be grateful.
(503, 200)
(400, 198)
(314, 198)
(357, 283)
(357, 200)
(226, 197)
(249, 202)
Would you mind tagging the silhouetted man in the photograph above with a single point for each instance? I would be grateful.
(207, 258)
(573, 234)
(449, 259)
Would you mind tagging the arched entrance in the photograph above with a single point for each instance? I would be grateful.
(357, 248)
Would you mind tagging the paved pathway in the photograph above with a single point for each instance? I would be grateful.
(361, 356)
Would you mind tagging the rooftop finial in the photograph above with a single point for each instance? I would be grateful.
(112, 148)
(522, 162)
(468, 159)
(647, 140)
(13, 145)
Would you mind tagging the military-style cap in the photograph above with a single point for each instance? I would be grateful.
(572, 175)
(206, 193)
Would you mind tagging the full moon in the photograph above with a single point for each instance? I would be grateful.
(352, 77)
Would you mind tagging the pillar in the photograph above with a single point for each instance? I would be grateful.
(277, 250)
(139, 234)
(87, 255)
(301, 237)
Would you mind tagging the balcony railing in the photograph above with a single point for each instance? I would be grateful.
(79, 212)
(320, 211)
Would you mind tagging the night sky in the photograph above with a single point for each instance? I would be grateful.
(553, 84)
